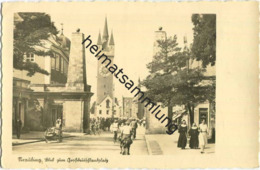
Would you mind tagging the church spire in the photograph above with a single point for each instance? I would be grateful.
(105, 33)
(111, 42)
(139, 82)
(99, 42)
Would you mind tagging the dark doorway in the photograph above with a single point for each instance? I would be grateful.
(203, 114)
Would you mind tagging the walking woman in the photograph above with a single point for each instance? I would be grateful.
(194, 136)
(183, 135)
(203, 140)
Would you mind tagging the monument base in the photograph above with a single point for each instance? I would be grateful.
(73, 116)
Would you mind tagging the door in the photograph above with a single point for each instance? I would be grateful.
(54, 117)
(203, 114)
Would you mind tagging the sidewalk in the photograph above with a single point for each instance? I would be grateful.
(37, 136)
(164, 144)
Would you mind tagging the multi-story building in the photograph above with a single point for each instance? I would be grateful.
(55, 64)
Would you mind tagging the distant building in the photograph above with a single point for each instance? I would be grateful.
(205, 110)
(128, 107)
(106, 105)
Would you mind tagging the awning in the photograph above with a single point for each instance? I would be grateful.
(178, 114)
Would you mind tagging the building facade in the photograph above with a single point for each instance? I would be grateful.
(41, 99)
(55, 64)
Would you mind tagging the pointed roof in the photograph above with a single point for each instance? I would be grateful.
(99, 42)
(105, 32)
(111, 42)
(139, 82)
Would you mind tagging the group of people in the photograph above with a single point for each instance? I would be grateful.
(127, 132)
(98, 124)
(198, 135)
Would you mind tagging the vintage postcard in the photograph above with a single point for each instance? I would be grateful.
(130, 85)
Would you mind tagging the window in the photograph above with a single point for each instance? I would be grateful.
(100, 112)
(30, 57)
(107, 112)
(57, 62)
(52, 62)
(108, 103)
(65, 66)
(61, 65)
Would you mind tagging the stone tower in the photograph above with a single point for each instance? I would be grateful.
(159, 35)
(104, 77)
(153, 126)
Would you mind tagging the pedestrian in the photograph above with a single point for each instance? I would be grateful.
(126, 138)
(183, 135)
(203, 140)
(114, 128)
(134, 127)
(97, 127)
(93, 126)
(18, 128)
(58, 126)
(194, 136)
(144, 123)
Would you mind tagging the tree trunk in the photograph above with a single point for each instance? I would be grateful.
(190, 108)
(170, 114)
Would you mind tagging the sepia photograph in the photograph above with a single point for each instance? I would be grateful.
(107, 85)
(169, 108)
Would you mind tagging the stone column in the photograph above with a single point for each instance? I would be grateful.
(77, 67)
(76, 104)
(153, 125)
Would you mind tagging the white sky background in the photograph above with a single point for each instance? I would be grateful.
(133, 28)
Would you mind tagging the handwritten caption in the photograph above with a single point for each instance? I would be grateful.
(63, 160)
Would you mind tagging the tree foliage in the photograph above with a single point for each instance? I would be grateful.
(172, 82)
(204, 43)
(30, 37)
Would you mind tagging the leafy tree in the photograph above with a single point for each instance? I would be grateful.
(166, 63)
(204, 43)
(30, 37)
(173, 83)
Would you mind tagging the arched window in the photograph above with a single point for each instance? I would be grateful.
(108, 103)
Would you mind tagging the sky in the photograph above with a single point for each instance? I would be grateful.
(134, 34)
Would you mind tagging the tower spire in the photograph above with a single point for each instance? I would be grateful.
(105, 32)
(111, 42)
(99, 42)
